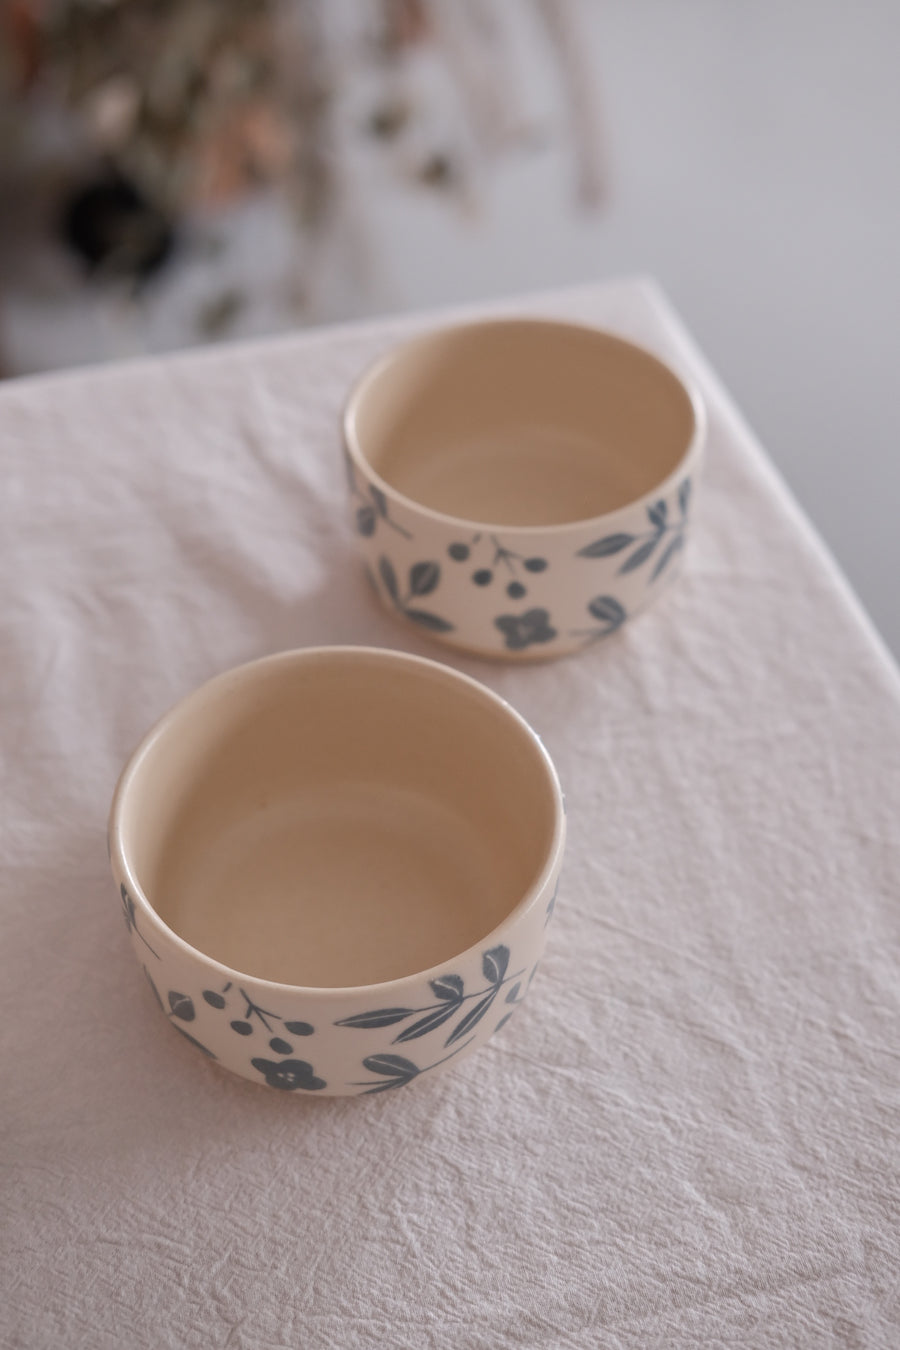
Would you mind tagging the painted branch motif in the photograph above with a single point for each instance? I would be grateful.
(663, 528)
(451, 999)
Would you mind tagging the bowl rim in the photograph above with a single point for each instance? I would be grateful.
(377, 368)
(121, 863)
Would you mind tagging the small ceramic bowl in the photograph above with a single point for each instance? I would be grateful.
(521, 488)
(337, 866)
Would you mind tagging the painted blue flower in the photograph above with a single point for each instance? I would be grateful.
(522, 630)
(288, 1074)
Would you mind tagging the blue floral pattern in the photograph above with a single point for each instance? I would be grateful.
(252, 1017)
(289, 1074)
(451, 999)
(455, 1008)
(286, 1073)
(525, 630)
(510, 567)
(131, 924)
(494, 560)
(610, 615)
(662, 528)
(373, 505)
(180, 1009)
(395, 1071)
(424, 577)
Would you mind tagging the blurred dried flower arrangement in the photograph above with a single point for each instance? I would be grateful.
(130, 129)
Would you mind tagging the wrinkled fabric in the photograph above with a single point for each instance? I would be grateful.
(688, 1134)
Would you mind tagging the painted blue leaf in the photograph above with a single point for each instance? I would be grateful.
(370, 577)
(607, 609)
(513, 993)
(280, 1046)
(503, 1021)
(392, 1066)
(193, 1040)
(684, 496)
(494, 963)
(366, 521)
(381, 1017)
(131, 921)
(388, 576)
(448, 987)
(242, 1028)
(433, 622)
(213, 999)
(640, 555)
(609, 544)
(436, 1018)
(472, 1017)
(182, 1005)
(667, 556)
(386, 1085)
(658, 514)
(424, 577)
(379, 499)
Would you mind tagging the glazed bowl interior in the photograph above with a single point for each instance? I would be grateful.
(521, 423)
(337, 818)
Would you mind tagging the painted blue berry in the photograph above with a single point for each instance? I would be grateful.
(483, 577)
(536, 564)
(242, 1028)
(515, 590)
(279, 1046)
(458, 552)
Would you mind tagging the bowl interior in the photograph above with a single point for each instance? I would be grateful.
(337, 819)
(523, 423)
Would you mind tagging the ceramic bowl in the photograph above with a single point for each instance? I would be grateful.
(337, 866)
(521, 488)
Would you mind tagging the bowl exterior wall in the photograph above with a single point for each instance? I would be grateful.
(351, 1042)
(522, 594)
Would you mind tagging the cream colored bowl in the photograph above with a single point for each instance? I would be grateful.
(521, 488)
(337, 865)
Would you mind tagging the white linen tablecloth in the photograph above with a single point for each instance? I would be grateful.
(688, 1135)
